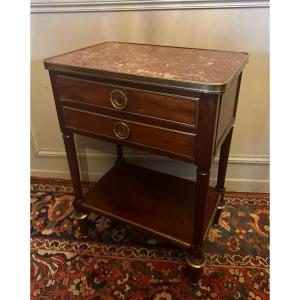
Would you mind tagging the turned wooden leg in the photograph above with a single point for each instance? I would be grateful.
(223, 162)
(82, 223)
(120, 157)
(196, 261)
(79, 213)
(196, 255)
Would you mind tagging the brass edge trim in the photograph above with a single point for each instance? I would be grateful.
(237, 73)
(217, 121)
(81, 216)
(129, 121)
(196, 266)
(130, 88)
(187, 125)
(92, 208)
(185, 85)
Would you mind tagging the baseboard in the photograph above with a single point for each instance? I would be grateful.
(232, 184)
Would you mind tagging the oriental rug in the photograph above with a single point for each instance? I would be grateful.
(117, 261)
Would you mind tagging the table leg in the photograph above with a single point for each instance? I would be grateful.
(79, 213)
(196, 256)
(223, 162)
(120, 157)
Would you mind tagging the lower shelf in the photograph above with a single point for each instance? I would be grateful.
(159, 203)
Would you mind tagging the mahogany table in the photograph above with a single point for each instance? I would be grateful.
(175, 102)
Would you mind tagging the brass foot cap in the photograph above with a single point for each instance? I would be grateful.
(80, 216)
(196, 265)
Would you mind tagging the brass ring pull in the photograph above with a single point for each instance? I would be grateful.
(118, 99)
(121, 130)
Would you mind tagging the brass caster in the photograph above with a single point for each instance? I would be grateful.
(195, 269)
(221, 207)
(80, 216)
(196, 265)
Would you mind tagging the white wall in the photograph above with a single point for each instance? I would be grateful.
(239, 29)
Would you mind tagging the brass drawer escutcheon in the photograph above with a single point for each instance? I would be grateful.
(118, 99)
(121, 130)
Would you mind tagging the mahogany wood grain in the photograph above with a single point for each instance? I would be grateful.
(120, 157)
(195, 274)
(228, 107)
(227, 104)
(223, 162)
(74, 170)
(181, 110)
(207, 118)
(160, 203)
(155, 137)
(75, 176)
(58, 106)
(237, 94)
(207, 126)
(125, 143)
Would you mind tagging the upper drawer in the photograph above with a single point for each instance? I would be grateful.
(172, 108)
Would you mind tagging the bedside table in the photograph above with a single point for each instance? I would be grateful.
(175, 102)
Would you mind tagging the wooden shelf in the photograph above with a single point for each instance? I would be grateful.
(159, 203)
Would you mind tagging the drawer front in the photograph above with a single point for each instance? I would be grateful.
(135, 133)
(171, 108)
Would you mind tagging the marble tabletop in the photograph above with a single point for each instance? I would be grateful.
(200, 66)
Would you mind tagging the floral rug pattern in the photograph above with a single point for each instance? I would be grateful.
(117, 261)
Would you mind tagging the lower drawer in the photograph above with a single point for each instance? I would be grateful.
(134, 133)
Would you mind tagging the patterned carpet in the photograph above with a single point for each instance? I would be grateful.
(120, 262)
